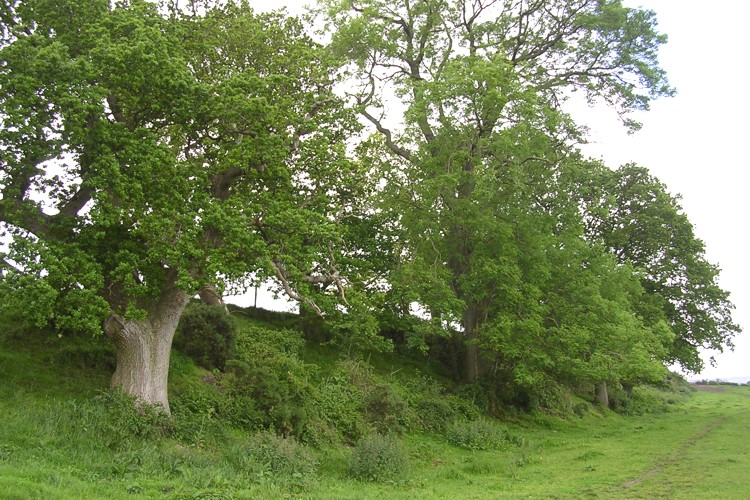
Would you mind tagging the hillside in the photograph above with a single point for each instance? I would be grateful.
(382, 425)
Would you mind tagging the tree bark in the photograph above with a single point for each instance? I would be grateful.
(602, 395)
(210, 296)
(473, 361)
(143, 348)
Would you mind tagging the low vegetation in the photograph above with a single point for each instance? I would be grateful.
(307, 421)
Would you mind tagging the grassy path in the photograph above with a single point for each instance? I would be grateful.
(713, 464)
(700, 450)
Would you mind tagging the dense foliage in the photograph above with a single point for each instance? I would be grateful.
(206, 334)
(150, 152)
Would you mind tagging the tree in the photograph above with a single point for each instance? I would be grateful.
(148, 152)
(481, 85)
(632, 214)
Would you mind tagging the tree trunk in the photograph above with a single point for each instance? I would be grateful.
(210, 296)
(473, 361)
(143, 348)
(602, 395)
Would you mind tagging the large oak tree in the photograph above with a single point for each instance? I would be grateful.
(147, 152)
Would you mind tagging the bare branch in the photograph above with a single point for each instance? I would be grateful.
(293, 294)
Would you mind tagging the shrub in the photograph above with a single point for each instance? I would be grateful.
(340, 406)
(271, 392)
(379, 458)
(383, 408)
(206, 334)
(433, 409)
(386, 409)
(195, 415)
(552, 398)
(644, 399)
(112, 420)
(268, 385)
(254, 340)
(268, 457)
(478, 435)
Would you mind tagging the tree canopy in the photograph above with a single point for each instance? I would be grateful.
(149, 151)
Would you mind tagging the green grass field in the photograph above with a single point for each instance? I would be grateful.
(59, 440)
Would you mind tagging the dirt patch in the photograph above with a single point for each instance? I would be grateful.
(674, 457)
(709, 388)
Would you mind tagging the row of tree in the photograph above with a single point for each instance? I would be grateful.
(152, 151)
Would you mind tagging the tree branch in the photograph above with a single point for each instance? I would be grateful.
(291, 293)
(395, 148)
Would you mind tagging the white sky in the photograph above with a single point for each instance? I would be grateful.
(692, 142)
(695, 141)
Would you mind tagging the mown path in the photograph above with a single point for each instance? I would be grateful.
(698, 450)
(712, 463)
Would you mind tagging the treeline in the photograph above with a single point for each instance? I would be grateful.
(718, 382)
(414, 180)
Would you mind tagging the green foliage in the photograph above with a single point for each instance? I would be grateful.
(60, 436)
(635, 217)
(115, 418)
(357, 330)
(340, 405)
(273, 393)
(480, 434)
(269, 386)
(206, 147)
(255, 340)
(552, 398)
(433, 408)
(379, 458)
(206, 334)
(200, 415)
(383, 407)
(282, 460)
(644, 399)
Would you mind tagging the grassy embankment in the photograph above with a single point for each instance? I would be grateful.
(62, 437)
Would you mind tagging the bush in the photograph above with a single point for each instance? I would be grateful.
(386, 409)
(644, 399)
(267, 457)
(196, 412)
(478, 435)
(340, 406)
(206, 334)
(433, 409)
(551, 398)
(111, 420)
(379, 458)
(254, 340)
(271, 392)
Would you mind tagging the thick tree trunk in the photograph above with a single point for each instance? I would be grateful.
(602, 395)
(143, 347)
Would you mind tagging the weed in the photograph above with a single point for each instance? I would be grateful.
(379, 458)
(270, 458)
(478, 434)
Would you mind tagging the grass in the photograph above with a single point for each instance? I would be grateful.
(63, 437)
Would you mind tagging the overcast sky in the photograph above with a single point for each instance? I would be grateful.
(694, 142)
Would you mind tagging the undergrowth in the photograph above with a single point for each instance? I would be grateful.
(270, 423)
